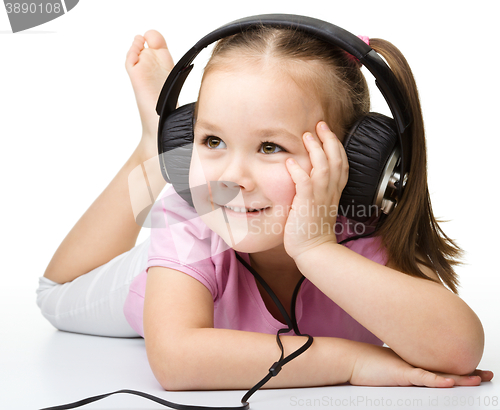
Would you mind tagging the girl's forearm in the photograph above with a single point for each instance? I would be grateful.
(211, 359)
(424, 323)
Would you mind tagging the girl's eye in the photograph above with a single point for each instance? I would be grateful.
(269, 148)
(212, 142)
(266, 147)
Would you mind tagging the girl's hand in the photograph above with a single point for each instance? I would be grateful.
(380, 366)
(311, 220)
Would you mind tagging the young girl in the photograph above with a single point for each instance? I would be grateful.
(273, 108)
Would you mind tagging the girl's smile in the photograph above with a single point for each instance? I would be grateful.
(242, 211)
(250, 120)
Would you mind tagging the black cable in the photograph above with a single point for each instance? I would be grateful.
(145, 395)
(292, 325)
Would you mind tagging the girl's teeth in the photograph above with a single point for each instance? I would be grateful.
(242, 210)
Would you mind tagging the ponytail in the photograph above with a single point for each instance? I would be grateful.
(411, 234)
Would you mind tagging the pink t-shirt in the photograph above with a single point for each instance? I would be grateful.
(180, 240)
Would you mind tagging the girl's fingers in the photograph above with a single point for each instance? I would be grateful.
(319, 160)
(345, 162)
(485, 375)
(467, 380)
(329, 140)
(334, 151)
(302, 181)
(330, 145)
(326, 152)
(474, 379)
(421, 377)
(328, 160)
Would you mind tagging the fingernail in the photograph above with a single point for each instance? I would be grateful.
(309, 136)
(324, 126)
(291, 161)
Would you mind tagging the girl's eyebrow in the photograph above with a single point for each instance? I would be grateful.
(262, 133)
(206, 125)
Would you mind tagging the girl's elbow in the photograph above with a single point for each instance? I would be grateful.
(172, 370)
(170, 377)
(173, 375)
(181, 378)
(172, 383)
(163, 362)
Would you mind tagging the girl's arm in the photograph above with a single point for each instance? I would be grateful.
(427, 325)
(185, 352)
(424, 323)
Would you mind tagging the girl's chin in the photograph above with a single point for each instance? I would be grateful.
(245, 236)
(251, 243)
(252, 247)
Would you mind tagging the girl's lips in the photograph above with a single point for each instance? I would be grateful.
(243, 214)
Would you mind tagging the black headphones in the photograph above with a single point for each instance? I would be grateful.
(377, 147)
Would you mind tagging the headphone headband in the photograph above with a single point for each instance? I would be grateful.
(330, 33)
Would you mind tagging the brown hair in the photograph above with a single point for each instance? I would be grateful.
(410, 234)
(333, 75)
(420, 238)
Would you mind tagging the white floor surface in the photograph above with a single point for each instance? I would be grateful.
(41, 367)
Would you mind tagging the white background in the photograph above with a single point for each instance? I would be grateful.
(68, 121)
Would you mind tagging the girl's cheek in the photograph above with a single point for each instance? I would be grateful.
(284, 186)
(197, 174)
(305, 164)
(279, 185)
(198, 183)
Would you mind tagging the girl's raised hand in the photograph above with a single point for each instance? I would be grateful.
(312, 218)
(380, 366)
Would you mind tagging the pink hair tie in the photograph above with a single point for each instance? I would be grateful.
(366, 39)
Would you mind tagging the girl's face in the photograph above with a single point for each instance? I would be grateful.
(250, 120)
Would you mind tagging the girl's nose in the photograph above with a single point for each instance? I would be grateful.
(236, 175)
(232, 179)
(228, 184)
(223, 192)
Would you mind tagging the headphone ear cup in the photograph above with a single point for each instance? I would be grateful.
(175, 147)
(368, 146)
